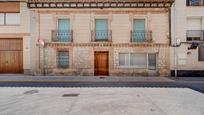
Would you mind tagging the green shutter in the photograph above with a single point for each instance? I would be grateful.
(139, 30)
(101, 28)
(64, 33)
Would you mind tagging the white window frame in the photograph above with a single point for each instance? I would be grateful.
(5, 19)
(129, 66)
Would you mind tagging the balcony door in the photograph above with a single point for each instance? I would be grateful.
(64, 33)
(139, 30)
(101, 29)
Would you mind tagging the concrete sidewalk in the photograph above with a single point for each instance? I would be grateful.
(21, 77)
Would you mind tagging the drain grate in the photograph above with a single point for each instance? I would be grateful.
(70, 95)
(102, 77)
(30, 92)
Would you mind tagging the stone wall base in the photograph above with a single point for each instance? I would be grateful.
(27, 71)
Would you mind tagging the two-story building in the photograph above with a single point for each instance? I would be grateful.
(97, 37)
(15, 38)
(187, 53)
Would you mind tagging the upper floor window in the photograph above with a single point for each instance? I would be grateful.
(9, 13)
(194, 2)
(101, 30)
(194, 29)
(9, 18)
(139, 30)
(63, 32)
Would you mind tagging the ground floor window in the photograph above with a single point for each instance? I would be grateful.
(63, 59)
(137, 60)
(201, 53)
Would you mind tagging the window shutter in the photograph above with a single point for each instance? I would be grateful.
(10, 7)
(139, 33)
(64, 30)
(101, 28)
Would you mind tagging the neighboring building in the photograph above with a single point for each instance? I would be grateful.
(188, 37)
(93, 37)
(15, 38)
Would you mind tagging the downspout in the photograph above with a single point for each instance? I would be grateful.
(175, 41)
(170, 22)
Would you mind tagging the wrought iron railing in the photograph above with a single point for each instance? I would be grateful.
(141, 36)
(195, 35)
(101, 35)
(62, 35)
(195, 2)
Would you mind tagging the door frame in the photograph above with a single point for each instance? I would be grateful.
(152, 72)
(107, 62)
(20, 52)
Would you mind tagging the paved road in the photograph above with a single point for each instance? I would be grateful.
(100, 101)
(197, 86)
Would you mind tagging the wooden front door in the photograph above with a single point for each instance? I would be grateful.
(11, 56)
(101, 65)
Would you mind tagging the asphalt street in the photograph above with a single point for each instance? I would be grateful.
(197, 86)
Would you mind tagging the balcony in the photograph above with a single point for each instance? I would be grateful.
(195, 35)
(195, 3)
(62, 36)
(141, 36)
(101, 35)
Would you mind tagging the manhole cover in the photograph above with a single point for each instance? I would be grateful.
(70, 95)
(30, 92)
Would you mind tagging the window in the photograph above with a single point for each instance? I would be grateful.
(9, 18)
(64, 33)
(12, 18)
(138, 60)
(139, 30)
(194, 2)
(151, 61)
(201, 53)
(63, 59)
(1, 18)
(101, 30)
(194, 32)
(123, 59)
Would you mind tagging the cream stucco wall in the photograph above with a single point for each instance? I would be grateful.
(120, 23)
(180, 12)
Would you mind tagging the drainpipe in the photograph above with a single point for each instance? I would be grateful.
(175, 41)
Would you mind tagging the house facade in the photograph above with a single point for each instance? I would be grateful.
(15, 38)
(93, 37)
(187, 51)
